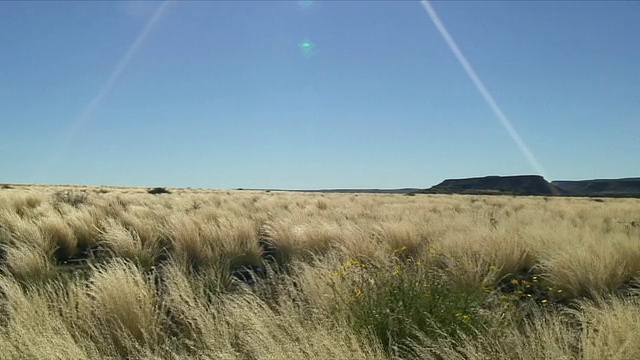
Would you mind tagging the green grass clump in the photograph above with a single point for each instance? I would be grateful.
(406, 301)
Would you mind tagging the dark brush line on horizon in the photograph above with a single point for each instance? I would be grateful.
(522, 185)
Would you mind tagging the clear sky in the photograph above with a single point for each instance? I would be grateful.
(314, 94)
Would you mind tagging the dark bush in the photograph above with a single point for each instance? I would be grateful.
(159, 190)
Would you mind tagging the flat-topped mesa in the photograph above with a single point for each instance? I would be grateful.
(508, 185)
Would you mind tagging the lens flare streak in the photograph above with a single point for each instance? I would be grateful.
(504, 120)
(113, 78)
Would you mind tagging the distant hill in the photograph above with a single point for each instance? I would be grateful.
(488, 185)
(537, 185)
(498, 185)
(522, 185)
(629, 187)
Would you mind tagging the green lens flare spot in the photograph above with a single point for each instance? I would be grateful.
(307, 47)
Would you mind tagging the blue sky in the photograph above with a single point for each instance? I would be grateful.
(227, 94)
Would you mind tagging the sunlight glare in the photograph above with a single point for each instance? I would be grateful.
(95, 102)
(506, 123)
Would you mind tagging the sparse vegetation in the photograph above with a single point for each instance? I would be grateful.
(88, 274)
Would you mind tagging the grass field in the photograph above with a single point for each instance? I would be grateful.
(102, 273)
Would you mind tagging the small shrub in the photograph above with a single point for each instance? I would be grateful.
(73, 198)
(158, 191)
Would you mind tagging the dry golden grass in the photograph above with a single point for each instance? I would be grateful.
(93, 272)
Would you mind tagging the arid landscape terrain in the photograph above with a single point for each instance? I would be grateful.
(106, 272)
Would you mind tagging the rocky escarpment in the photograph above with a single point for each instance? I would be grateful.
(498, 185)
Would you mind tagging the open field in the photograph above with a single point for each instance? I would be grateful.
(90, 273)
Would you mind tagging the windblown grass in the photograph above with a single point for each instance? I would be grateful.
(119, 273)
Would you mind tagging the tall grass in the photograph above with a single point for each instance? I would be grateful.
(119, 273)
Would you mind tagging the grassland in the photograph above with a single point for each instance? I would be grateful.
(102, 273)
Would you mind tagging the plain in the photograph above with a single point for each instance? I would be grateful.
(97, 272)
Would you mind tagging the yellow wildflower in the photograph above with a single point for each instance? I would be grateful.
(400, 249)
(398, 270)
